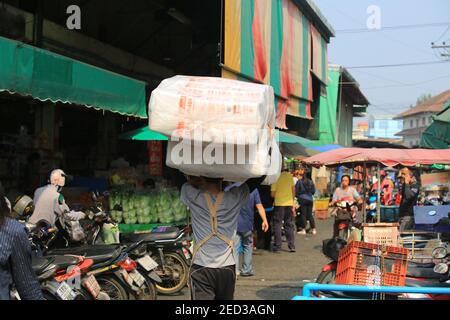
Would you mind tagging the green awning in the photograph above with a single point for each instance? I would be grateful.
(143, 134)
(47, 76)
(290, 138)
(295, 146)
(437, 135)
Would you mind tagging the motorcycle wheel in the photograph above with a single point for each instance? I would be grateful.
(150, 292)
(83, 294)
(112, 287)
(174, 274)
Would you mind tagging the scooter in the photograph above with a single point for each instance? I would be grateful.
(345, 219)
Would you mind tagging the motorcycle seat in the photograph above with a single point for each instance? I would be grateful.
(63, 262)
(98, 253)
(40, 264)
(170, 233)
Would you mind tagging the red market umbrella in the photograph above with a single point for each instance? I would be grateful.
(386, 157)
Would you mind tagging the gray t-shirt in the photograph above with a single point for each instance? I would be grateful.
(215, 253)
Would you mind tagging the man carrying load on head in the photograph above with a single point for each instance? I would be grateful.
(214, 224)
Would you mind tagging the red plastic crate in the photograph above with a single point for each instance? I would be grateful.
(359, 264)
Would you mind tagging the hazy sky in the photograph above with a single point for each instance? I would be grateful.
(391, 90)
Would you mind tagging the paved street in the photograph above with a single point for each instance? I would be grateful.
(281, 276)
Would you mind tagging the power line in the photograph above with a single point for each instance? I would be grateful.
(397, 65)
(381, 33)
(411, 26)
(388, 79)
(442, 35)
(406, 84)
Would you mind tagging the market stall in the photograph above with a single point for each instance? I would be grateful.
(140, 206)
(421, 159)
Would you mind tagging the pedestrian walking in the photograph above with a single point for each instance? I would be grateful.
(283, 192)
(245, 232)
(264, 239)
(305, 190)
(214, 215)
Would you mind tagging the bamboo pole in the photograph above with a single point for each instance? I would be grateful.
(378, 194)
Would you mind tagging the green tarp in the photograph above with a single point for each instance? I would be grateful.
(143, 134)
(437, 135)
(44, 75)
(290, 138)
(328, 109)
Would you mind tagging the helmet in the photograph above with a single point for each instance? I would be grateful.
(23, 206)
(58, 178)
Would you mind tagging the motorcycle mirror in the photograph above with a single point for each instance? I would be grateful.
(439, 253)
(441, 268)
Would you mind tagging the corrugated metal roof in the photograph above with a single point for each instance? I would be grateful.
(411, 132)
(313, 13)
(433, 105)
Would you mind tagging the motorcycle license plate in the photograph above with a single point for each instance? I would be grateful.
(137, 278)
(186, 254)
(147, 263)
(92, 286)
(65, 292)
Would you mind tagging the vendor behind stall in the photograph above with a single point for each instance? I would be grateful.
(409, 192)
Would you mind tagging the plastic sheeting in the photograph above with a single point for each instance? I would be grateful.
(437, 135)
(47, 76)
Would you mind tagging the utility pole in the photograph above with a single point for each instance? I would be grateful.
(443, 48)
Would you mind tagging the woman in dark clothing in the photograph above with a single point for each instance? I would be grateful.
(263, 239)
(304, 191)
(15, 258)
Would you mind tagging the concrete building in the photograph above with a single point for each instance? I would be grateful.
(384, 126)
(417, 119)
(360, 130)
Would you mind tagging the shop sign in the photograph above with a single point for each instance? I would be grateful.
(155, 158)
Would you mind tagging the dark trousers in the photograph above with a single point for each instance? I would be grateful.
(212, 283)
(305, 216)
(281, 214)
(263, 239)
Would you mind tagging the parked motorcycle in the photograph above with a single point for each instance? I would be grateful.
(114, 270)
(169, 248)
(65, 278)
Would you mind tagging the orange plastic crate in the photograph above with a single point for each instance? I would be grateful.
(358, 265)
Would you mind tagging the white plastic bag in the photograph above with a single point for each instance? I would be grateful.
(183, 104)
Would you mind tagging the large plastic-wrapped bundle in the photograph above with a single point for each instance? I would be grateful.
(183, 104)
(239, 163)
(219, 128)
